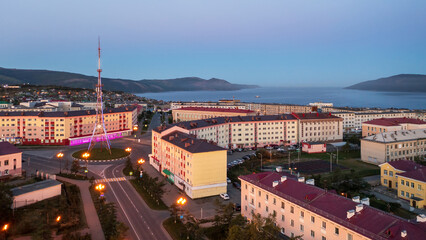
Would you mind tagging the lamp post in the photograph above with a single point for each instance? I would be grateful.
(59, 156)
(180, 202)
(4, 229)
(128, 149)
(331, 161)
(261, 162)
(86, 156)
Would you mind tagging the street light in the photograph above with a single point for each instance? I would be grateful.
(58, 219)
(59, 156)
(180, 202)
(128, 149)
(141, 161)
(291, 169)
(260, 162)
(135, 128)
(100, 187)
(5, 227)
(86, 156)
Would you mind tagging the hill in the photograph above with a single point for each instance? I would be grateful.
(67, 79)
(397, 83)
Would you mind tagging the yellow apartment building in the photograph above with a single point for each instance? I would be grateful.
(195, 166)
(301, 209)
(412, 187)
(389, 171)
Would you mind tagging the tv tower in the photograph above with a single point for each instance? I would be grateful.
(99, 132)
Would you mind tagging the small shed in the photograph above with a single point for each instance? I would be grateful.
(32, 193)
(314, 147)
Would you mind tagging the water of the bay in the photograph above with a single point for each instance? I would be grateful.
(298, 95)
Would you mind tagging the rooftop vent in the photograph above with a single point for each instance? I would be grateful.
(403, 233)
(301, 179)
(275, 183)
(279, 169)
(356, 199)
(350, 213)
(359, 208)
(283, 178)
(421, 218)
(310, 182)
(365, 201)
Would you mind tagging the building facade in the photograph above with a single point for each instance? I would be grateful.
(323, 127)
(390, 146)
(391, 124)
(195, 166)
(10, 160)
(300, 208)
(197, 113)
(63, 128)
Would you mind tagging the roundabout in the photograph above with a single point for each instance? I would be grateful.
(98, 154)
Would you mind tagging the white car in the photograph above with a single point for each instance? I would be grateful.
(228, 180)
(224, 196)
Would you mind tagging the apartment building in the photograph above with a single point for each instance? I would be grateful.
(235, 104)
(63, 128)
(195, 166)
(197, 113)
(348, 120)
(412, 187)
(323, 127)
(391, 124)
(10, 160)
(301, 208)
(389, 171)
(390, 146)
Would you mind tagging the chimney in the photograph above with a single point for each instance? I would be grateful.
(187, 144)
(421, 218)
(279, 169)
(275, 183)
(283, 178)
(301, 179)
(350, 213)
(310, 182)
(356, 199)
(403, 233)
(365, 201)
(359, 208)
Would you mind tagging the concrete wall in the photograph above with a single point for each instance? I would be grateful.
(35, 196)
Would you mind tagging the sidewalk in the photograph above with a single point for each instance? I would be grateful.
(92, 218)
(384, 194)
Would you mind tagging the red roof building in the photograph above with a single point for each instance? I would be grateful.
(391, 124)
(197, 113)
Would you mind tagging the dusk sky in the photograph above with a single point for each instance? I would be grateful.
(271, 43)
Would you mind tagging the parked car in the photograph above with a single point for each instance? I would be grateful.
(239, 149)
(230, 152)
(281, 150)
(240, 161)
(246, 157)
(228, 180)
(236, 185)
(269, 148)
(291, 148)
(237, 207)
(224, 196)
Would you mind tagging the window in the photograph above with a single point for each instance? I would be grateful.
(292, 223)
(407, 183)
(267, 197)
(312, 233)
(336, 231)
(385, 181)
(385, 172)
(350, 236)
(402, 182)
(323, 238)
(282, 218)
(282, 230)
(391, 173)
(324, 225)
(275, 201)
(267, 209)
(282, 203)
(302, 228)
(402, 193)
(412, 185)
(292, 209)
(302, 214)
(260, 194)
(407, 194)
(6, 162)
(419, 187)
(312, 219)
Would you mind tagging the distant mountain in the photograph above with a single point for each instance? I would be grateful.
(46, 77)
(397, 83)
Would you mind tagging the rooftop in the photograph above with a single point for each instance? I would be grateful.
(34, 187)
(308, 116)
(7, 148)
(66, 114)
(213, 109)
(221, 120)
(404, 165)
(394, 121)
(370, 222)
(418, 174)
(397, 136)
(190, 143)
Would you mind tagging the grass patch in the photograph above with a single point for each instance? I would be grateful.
(39, 219)
(72, 176)
(102, 154)
(176, 230)
(150, 201)
(394, 208)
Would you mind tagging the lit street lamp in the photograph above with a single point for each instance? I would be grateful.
(180, 202)
(60, 156)
(100, 187)
(58, 219)
(5, 227)
(86, 156)
(141, 161)
(128, 149)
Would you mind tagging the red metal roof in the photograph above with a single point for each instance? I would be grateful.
(370, 222)
(405, 165)
(7, 148)
(213, 109)
(307, 116)
(418, 174)
(394, 121)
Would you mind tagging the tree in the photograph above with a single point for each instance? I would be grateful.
(6, 200)
(75, 166)
(236, 233)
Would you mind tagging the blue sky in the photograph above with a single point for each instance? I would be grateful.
(272, 43)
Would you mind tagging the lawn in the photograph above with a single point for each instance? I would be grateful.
(102, 154)
(176, 230)
(147, 198)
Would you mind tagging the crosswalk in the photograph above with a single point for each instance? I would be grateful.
(103, 180)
